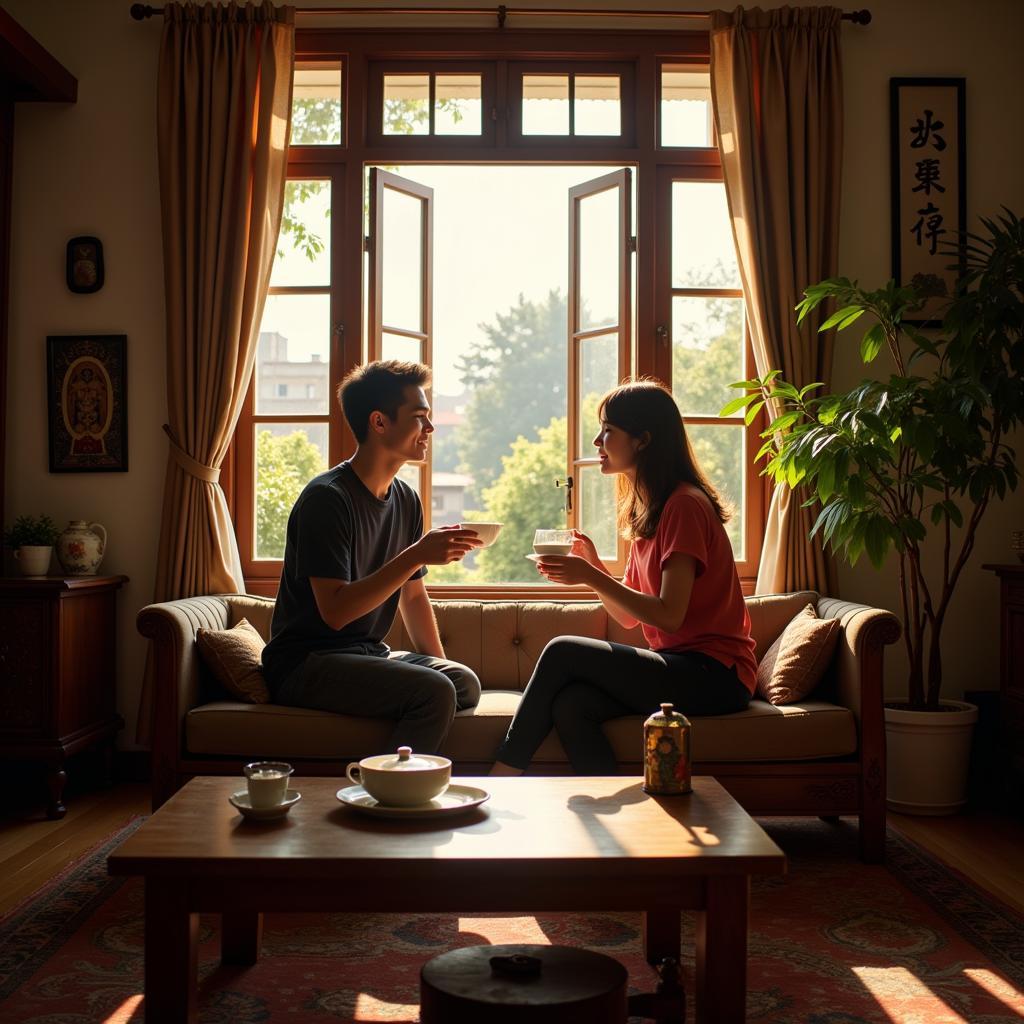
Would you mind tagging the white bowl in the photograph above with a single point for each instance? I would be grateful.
(487, 532)
(403, 779)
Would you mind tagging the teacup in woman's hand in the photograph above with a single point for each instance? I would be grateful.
(552, 542)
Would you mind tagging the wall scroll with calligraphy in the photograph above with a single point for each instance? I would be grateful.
(928, 182)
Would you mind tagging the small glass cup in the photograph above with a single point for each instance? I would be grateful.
(552, 542)
(268, 783)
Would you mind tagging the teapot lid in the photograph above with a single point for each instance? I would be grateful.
(405, 761)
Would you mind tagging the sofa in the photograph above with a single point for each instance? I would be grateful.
(823, 756)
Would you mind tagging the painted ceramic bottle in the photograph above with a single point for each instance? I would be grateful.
(80, 547)
(667, 753)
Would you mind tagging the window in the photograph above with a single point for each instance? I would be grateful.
(534, 250)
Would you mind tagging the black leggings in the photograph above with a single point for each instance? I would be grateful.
(579, 683)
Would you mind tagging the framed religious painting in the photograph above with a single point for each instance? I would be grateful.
(86, 380)
(929, 188)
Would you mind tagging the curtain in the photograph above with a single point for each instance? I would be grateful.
(777, 92)
(224, 106)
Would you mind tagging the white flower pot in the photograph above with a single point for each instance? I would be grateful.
(927, 754)
(33, 559)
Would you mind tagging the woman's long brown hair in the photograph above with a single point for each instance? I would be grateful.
(646, 407)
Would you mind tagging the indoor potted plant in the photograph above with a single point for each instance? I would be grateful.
(32, 538)
(911, 464)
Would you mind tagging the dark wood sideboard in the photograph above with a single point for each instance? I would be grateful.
(1011, 677)
(58, 678)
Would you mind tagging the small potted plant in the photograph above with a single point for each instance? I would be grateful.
(909, 465)
(32, 538)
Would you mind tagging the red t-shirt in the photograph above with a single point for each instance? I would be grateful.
(716, 621)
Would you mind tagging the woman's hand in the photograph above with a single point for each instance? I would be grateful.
(584, 547)
(569, 570)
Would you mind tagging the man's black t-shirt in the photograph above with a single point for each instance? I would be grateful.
(339, 530)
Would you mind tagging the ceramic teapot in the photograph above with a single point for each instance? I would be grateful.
(80, 547)
(402, 779)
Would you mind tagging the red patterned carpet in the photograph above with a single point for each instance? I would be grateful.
(833, 942)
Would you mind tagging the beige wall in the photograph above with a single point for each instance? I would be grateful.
(91, 168)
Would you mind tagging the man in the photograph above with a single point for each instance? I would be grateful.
(355, 552)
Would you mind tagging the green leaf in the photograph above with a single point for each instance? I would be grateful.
(872, 342)
(876, 541)
(786, 420)
(752, 412)
(737, 403)
(839, 316)
(953, 512)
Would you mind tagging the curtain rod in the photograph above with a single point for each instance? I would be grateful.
(142, 11)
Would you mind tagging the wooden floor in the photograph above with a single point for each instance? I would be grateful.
(985, 846)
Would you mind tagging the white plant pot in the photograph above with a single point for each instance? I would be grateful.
(927, 754)
(33, 559)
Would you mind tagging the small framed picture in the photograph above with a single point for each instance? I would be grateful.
(85, 264)
(86, 380)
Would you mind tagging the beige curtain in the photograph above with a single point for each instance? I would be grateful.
(224, 104)
(777, 91)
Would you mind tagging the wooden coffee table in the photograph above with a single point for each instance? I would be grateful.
(539, 844)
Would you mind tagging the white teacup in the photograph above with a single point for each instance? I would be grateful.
(268, 783)
(487, 532)
(402, 779)
(552, 542)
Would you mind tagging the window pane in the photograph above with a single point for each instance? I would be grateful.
(288, 456)
(707, 353)
(599, 373)
(406, 105)
(685, 106)
(599, 259)
(316, 104)
(293, 356)
(720, 453)
(402, 243)
(596, 498)
(397, 346)
(304, 243)
(457, 105)
(545, 104)
(703, 252)
(597, 105)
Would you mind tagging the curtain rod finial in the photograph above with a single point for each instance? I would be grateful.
(860, 17)
(142, 11)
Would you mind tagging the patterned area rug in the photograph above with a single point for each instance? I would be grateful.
(833, 942)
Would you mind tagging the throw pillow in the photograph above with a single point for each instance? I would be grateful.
(793, 666)
(234, 657)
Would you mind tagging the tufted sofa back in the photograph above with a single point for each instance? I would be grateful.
(501, 640)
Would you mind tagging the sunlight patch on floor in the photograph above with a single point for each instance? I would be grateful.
(496, 930)
(998, 987)
(891, 984)
(371, 1008)
(125, 1011)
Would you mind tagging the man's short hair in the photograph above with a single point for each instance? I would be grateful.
(378, 385)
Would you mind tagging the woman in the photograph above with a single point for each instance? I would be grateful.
(680, 585)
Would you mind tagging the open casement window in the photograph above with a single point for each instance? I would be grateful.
(704, 345)
(600, 313)
(401, 246)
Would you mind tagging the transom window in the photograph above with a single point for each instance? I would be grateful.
(535, 230)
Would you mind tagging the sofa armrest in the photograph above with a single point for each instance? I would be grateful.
(173, 673)
(858, 660)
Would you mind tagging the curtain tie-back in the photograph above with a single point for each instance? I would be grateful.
(208, 474)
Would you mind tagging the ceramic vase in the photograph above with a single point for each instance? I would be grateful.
(33, 559)
(80, 547)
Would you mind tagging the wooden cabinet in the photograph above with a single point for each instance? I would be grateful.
(57, 671)
(1011, 676)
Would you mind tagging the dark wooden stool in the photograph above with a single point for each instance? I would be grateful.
(520, 984)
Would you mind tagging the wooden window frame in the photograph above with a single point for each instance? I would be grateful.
(375, 101)
(576, 52)
(573, 68)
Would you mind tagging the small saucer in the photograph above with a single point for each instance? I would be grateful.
(454, 800)
(240, 801)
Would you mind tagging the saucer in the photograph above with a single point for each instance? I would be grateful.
(240, 801)
(454, 800)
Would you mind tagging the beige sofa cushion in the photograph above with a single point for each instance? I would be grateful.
(805, 731)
